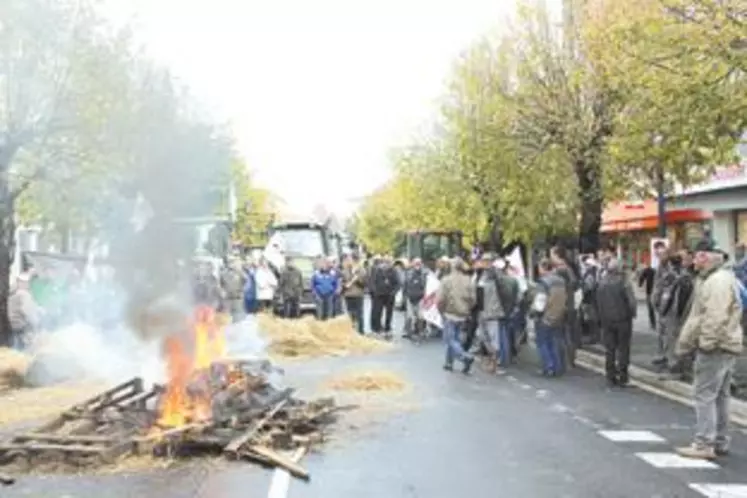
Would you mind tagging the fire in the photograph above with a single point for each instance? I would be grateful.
(187, 398)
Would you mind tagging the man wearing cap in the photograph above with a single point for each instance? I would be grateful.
(713, 332)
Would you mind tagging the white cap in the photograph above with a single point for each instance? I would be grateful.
(500, 263)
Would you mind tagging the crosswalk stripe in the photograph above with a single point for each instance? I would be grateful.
(632, 436)
(721, 490)
(674, 461)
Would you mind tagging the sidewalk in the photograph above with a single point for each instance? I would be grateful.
(643, 351)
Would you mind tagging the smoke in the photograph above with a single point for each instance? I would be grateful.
(114, 319)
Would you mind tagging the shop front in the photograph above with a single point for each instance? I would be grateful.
(725, 195)
(630, 226)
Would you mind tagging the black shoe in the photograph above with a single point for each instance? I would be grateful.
(721, 452)
(449, 368)
(623, 381)
(659, 361)
(467, 366)
(612, 382)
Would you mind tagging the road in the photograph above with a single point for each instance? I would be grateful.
(449, 435)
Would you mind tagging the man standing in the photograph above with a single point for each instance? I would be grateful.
(413, 292)
(664, 281)
(353, 285)
(324, 285)
(713, 332)
(507, 288)
(549, 309)
(23, 312)
(456, 298)
(384, 286)
(290, 288)
(570, 341)
(617, 310)
(232, 280)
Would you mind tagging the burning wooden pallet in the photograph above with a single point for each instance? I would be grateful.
(248, 418)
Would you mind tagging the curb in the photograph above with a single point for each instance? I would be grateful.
(650, 382)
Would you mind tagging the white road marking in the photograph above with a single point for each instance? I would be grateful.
(632, 436)
(280, 484)
(674, 461)
(721, 490)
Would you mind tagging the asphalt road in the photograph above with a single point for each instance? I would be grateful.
(450, 435)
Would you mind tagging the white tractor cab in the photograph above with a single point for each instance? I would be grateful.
(305, 242)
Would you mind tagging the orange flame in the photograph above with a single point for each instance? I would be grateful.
(180, 407)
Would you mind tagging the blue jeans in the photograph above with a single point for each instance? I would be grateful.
(454, 348)
(325, 307)
(547, 347)
(354, 306)
(505, 341)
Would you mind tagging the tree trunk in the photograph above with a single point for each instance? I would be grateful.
(592, 204)
(7, 250)
(495, 237)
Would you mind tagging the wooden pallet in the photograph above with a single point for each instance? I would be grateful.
(104, 427)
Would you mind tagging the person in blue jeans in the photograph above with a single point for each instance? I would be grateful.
(548, 309)
(325, 284)
(455, 299)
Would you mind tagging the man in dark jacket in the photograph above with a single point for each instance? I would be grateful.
(571, 339)
(384, 284)
(290, 289)
(413, 292)
(617, 309)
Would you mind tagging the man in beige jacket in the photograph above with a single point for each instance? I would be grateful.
(714, 333)
(455, 299)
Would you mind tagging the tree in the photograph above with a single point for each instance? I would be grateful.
(256, 207)
(680, 67)
(45, 50)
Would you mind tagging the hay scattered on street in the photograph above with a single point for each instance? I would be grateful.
(30, 404)
(308, 337)
(367, 381)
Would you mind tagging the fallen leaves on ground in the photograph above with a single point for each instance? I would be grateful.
(308, 337)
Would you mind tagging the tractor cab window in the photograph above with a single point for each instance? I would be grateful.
(304, 242)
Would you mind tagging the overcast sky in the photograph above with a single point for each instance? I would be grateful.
(317, 92)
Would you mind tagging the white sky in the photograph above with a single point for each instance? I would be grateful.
(317, 91)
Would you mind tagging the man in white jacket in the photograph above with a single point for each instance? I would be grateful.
(267, 282)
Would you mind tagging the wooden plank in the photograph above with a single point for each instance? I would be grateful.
(67, 448)
(55, 438)
(238, 442)
(281, 461)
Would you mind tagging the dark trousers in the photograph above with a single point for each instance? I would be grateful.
(354, 306)
(617, 349)
(291, 308)
(382, 305)
(264, 305)
(651, 313)
(470, 330)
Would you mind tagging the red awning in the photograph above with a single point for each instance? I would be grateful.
(636, 216)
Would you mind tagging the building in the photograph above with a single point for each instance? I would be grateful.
(630, 226)
(725, 195)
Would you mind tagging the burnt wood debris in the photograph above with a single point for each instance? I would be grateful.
(251, 420)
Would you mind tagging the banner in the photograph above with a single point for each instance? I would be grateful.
(516, 269)
(428, 309)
